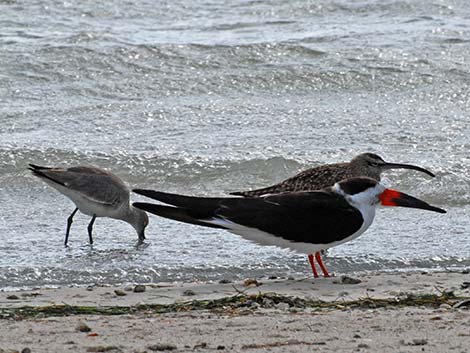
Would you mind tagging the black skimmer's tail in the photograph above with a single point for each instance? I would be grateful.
(306, 222)
(95, 192)
(366, 164)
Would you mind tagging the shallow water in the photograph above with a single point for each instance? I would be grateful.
(207, 97)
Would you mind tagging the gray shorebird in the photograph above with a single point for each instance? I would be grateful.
(96, 193)
(366, 164)
(306, 222)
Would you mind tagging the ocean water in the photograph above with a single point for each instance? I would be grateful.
(208, 97)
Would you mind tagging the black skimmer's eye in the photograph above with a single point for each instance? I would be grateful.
(391, 197)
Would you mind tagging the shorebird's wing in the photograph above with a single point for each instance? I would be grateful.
(315, 178)
(92, 183)
(311, 217)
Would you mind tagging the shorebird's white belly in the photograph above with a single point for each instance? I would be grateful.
(87, 206)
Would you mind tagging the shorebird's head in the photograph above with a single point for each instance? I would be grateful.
(373, 165)
(140, 222)
(363, 192)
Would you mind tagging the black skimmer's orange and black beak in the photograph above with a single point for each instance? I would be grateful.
(391, 197)
(306, 222)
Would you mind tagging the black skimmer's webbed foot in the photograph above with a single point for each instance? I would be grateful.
(69, 224)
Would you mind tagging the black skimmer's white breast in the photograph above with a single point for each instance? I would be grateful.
(366, 164)
(96, 193)
(306, 222)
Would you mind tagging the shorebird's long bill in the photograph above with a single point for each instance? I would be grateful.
(391, 197)
(407, 166)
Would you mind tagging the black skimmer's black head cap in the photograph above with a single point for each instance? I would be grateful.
(355, 186)
(376, 163)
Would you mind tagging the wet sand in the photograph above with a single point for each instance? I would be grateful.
(410, 312)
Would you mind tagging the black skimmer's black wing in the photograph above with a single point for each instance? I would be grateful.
(319, 217)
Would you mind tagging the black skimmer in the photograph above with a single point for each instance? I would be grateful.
(306, 222)
(96, 193)
(366, 164)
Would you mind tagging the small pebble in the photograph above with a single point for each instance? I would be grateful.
(220, 347)
(267, 303)
(415, 342)
(189, 292)
(225, 281)
(250, 282)
(349, 280)
(463, 303)
(89, 288)
(120, 293)
(200, 345)
(419, 342)
(445, 306)
(83, 328)
(13, 297)
(26, 350)
(140, 288)
(104, 349)
(282, 306)
(363, 345)
(161, 347)
(465, 285)
(357, 336)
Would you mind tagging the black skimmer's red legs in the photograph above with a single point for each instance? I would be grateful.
(364, 165)
(312, 265)
(311, 260)
(337, 214)
(320, 263)
(96, 192)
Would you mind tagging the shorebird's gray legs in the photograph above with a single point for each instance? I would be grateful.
(69, 224)
(90, 228)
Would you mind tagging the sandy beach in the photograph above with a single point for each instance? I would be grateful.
(408, 312)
